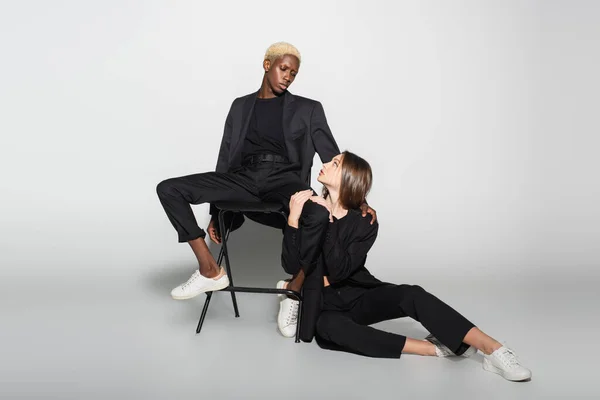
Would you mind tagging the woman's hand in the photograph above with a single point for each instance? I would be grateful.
(296, 205)
(324, 203)
(365, 209)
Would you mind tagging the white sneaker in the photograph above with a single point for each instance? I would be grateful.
(198, 284)
(287, 319)
(442, 350)
(504, 362)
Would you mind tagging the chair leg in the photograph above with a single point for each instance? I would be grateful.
(226, 254)
(209, 294)
(299, 321)
(204, 311)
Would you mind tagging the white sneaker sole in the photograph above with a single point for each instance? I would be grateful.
(488, 366)
(219, 285)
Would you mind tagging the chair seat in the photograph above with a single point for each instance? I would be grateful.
(246, 206)
(275, 214)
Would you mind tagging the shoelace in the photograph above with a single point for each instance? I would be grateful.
(193, 278)
(508, 358)
(292, 316)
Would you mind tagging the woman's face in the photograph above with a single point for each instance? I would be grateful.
(331, 174)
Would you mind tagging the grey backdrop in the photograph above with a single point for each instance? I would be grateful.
(479, 119)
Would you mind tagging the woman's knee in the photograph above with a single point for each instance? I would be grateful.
(418, 289)
(314, 213)
(411, 291)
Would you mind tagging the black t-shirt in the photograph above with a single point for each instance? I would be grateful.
(265, 133)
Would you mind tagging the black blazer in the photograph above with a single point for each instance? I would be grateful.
(305, 132)
(343, 258)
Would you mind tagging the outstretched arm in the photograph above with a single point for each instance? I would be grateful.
(368, 210)
(321, 135)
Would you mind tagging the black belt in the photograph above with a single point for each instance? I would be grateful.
(260, 158)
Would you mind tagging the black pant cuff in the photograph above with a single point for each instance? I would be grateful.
(458, 346)
(192, 236)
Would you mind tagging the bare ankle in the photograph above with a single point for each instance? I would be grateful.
(430, 349)
(419, 347)
(495, 347)
(210, 272)
(220, 272)
(291, 285)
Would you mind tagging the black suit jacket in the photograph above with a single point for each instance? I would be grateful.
(305, 132)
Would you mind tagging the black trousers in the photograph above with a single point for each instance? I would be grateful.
(343, 323)
(267, 182)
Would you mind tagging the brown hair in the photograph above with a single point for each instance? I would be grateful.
(357, 178)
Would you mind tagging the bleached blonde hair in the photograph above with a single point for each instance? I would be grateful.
(281, 49)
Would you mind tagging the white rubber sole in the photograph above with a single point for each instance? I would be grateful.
(219, 285)
(488, 366)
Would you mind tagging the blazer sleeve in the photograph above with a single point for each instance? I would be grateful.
(345, 259)
(321, 135)
(223, 159)
(290, 252)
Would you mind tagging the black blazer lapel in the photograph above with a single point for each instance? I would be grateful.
(289, 109)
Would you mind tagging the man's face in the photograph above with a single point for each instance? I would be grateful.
(281, 73)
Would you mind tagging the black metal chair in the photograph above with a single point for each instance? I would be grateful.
(225, 207)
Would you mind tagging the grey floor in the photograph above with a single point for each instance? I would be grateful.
(110, 330)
